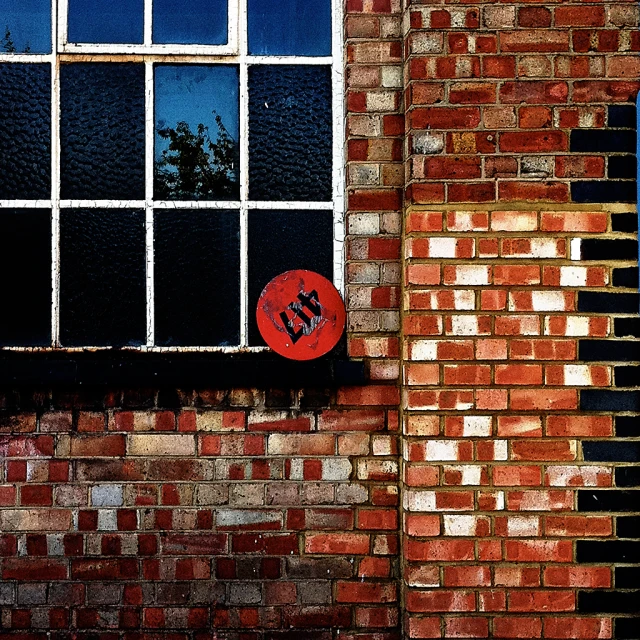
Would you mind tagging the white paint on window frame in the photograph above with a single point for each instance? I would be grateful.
(234, 53)
(148, 46)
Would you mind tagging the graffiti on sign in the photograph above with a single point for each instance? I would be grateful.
(300, 315)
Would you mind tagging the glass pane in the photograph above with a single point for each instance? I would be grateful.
(193, 22)
(102, 277)
(102, 131)
(25, 131)
(290, 27)
(25, 26)
(290, 139)
(25, 277)
(197, 131)
(283, 240)
(197, 277)
(96, 21)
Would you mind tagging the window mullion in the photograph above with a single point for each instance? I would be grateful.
(55, 169)
(244, 175)
(149, 158)
(148, 23)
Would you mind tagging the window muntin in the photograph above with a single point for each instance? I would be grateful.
(65, 91)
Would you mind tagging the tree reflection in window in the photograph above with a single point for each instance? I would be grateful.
(196, 167)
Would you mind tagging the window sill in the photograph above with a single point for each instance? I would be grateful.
(198, 370)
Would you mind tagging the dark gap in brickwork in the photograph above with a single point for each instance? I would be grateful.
(627, 376)
(611, 551)
(627, 426)
(597, 249)
(624, 497)
(608, 601)
(608, 350)
(608, 500)
(627, 477)
(601, 302)
(626, 277)
(628, 527)
(617, 143)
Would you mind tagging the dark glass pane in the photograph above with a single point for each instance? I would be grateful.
(283, 240)
(102, 131)
(290, 27)
(102, 277)
(25, 26)
(197, 132)
(197, 278)
(290, 147)
(25, 131)
(25, 277)
(193, 22)
(115, 21)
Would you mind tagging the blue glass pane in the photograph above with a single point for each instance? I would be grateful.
(197, 278)
(197, 132)
(102, 277)
(25, 131)
(102, 131)
(25, 26)
(290, 27)
(283, 240)
(192, 22)
(290, 133)
(97, 21)
(25, 277)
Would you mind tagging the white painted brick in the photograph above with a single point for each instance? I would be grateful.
(547, 301)
(424, 350)
(336, 469)
(471, 475)
(477, 426)
(573, 276)
(578, 375)
(441, 450)
(442, 247)
(420, 501)
(459, 525)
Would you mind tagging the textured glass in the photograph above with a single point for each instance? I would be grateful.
(290, 27)
(283, 240)
(25, 277)
(102, 131)
(104, 21)
(25, 131)
(102, 277)
(197, 278)
(197, 132)
(290, 141)
(25, 26)
(192, 22)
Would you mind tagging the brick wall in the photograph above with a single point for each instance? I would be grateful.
(484, 482)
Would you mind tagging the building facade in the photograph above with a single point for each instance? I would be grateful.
(466, 464)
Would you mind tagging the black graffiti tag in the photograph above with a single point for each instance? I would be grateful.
(306, 314)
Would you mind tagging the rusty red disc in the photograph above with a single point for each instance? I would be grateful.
(300, 315)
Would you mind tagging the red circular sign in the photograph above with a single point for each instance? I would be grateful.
(300, 315)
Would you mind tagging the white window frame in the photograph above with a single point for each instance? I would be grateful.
(154, 54)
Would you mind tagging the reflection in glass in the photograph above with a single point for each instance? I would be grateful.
(192, 22)
(104, 21)
(197, 131)
(197, 277)
(290, 27)
(25, 26)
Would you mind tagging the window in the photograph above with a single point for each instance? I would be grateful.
(160, 163)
